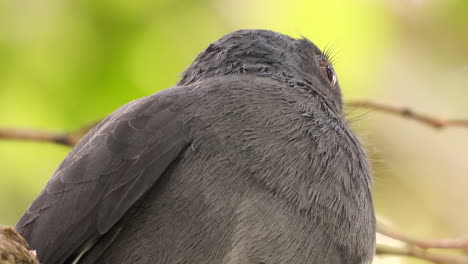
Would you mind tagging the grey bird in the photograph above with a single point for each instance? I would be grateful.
(247, 160)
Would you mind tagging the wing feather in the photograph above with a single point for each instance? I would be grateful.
(105, 174)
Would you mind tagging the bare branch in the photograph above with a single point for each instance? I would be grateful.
(408, 113)
(14, 248)
(418, 248)
(450, 243)
(68, 139)
(419, 253)
(71, 138)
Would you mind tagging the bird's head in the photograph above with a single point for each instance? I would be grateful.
(297, 62)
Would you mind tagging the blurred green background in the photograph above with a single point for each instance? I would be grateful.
(64, 64)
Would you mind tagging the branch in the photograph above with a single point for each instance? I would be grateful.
(71, 138)
(450, 243)
(67, 139)
(417, 248)
(408, 113)
(14, 248)
(415, 252)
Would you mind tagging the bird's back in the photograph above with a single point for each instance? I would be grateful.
(251, 187)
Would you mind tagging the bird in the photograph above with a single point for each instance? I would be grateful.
(248, 159)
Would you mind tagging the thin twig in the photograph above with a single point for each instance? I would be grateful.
(67, 139)
(71, 138)
(419, 253)
(408, 113)
(447, 243)
(418, 248)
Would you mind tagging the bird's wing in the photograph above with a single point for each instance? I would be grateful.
(105, 174)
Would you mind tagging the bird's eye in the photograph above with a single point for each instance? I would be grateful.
(327, 71)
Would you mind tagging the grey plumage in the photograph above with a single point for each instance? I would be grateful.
(248, 159)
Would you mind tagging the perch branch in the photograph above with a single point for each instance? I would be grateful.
(448, 243)
(408, 113)
(14, 249)
(71, 138)
(417, 248)
(62, 138)
(411, 251)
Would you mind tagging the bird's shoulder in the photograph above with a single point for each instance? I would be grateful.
(105, 174)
